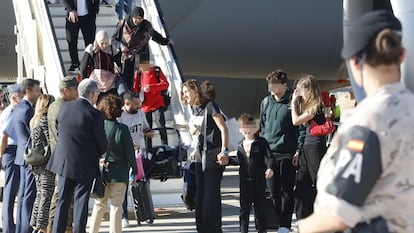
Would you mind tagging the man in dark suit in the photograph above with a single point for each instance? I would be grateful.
(81, 15)
(22, 114)
(81, 141)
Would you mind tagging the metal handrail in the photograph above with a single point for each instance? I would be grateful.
(166, 58)
(37, 48)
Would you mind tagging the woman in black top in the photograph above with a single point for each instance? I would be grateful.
(210, 164)
(307, 107)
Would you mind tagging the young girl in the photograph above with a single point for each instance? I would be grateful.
(307, 107)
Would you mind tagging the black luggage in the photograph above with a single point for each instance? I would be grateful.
(166, 160)
(189, 187)
(272, 217)
(143, 205)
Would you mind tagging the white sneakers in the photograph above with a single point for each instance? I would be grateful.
(283, 230)
(125, 223)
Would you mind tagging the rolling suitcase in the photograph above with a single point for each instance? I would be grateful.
(189, 186)
(143, 205)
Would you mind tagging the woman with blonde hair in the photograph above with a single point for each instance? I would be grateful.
(213, 139)
(45, 180)
(307, 106)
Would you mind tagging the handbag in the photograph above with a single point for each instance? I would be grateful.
(209, 155)
(36, 156)
(140, 165)
(98, 185)
(321, 130)
(234, 133)
(105, 78)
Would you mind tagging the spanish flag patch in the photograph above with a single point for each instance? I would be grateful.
(355, 145)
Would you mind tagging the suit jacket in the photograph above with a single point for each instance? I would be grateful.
(22, 114)
(81, 141)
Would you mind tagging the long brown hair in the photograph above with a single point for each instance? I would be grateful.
(198, 98)
(314, 100)
(42, 106)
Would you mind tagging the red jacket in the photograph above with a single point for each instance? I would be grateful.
(153, 99)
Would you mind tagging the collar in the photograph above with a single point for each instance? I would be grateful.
(81, 97)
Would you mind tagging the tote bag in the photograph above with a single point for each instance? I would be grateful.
(234, 132)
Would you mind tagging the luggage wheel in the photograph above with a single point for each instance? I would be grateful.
(150, 221)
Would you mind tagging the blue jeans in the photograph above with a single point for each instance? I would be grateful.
(122, 6)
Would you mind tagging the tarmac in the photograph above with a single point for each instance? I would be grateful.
(173, 217)
(176, 218)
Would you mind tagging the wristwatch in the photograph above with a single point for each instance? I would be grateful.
(225, 150)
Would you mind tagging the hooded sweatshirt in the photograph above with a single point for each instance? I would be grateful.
(276, 125)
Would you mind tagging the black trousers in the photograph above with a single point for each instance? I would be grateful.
(252, 192)
(281, 190)
(305, 192)
(131, 64)
(208, 200)
(81, 190)
(163, 131)
(87, 24)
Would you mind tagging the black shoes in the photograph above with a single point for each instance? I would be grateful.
(73, 67)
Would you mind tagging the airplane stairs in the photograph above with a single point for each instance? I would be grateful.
(52, 16)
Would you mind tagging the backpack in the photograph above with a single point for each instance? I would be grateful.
(164, 93)
(137, 81)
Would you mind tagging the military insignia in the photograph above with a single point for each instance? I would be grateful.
(358, 166)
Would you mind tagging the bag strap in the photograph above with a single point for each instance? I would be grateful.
(205, 131)
(157, 73)
(111, 139)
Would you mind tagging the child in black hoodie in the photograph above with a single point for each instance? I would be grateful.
(255, 160)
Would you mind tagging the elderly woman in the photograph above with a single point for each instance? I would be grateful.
(117, 160)
(99, 61)
(365, 181)
(212, 155)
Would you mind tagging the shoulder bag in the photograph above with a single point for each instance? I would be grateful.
(233, 132)
(98, 185)
(36, 156)
(321, 130)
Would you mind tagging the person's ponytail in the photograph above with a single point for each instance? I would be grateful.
(386, 49)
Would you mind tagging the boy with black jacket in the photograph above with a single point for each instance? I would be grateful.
(256, 162)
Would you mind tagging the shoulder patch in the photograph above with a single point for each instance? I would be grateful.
(358, 166)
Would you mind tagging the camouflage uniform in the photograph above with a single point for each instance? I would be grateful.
(368, 170)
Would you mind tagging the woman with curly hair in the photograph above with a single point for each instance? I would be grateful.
(117, 160)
